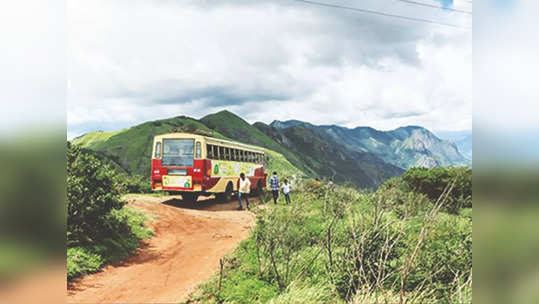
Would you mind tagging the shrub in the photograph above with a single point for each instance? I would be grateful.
(92, 192)
(82, 260)
(432, 182)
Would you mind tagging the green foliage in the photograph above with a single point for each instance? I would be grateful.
(277, 162)
(81, 260)
(88, 139)
(432, 183)
(135, 183)
(92, 192)
(100, 229)
(336, 245)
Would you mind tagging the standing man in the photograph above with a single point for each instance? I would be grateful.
(243, 190)
(274, 184)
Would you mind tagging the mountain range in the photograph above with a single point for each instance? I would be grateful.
(362, 156)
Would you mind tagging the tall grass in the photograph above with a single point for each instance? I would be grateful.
(334, 244)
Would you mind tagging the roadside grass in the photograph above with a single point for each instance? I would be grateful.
(334, 244)
(121, 243)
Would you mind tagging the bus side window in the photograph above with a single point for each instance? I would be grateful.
(157, 150)
(198, 150)
(227, 153)
(251, 158)
(242, 156)
(209, 151)
(221, 153)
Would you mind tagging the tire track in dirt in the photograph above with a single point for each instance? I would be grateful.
(188, 241)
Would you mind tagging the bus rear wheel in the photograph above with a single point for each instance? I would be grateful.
(226, 196)
(189, 197)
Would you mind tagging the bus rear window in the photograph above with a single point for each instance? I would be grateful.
(178, 152)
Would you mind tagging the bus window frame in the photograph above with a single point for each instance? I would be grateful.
(198, 150)
(227, 153)
(157, 153)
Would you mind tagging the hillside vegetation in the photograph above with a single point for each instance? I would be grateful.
(336, 245)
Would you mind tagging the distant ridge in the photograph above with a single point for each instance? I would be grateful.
(404, 147)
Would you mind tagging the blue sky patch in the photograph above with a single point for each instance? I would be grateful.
(446, 3)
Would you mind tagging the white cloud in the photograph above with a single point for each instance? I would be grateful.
(32, 64)
(132, 61)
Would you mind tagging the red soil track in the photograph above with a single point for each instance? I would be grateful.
(189, 240)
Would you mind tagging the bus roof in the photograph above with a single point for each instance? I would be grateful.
(211, 141)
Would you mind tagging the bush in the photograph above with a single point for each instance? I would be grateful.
(92, 192)
(432, 183)
(100, 229)
(82, 260)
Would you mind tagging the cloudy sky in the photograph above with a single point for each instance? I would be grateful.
(131, 61)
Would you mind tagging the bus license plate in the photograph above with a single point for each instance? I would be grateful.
(177, 181)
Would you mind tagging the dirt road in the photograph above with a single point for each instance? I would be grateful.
(189, 240)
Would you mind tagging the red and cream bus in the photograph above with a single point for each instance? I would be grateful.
(194, 165)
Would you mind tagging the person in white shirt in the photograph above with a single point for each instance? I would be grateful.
(286, 191)
(243, 190)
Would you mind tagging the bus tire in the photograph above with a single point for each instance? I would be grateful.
(189, 197)
(226, 196)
